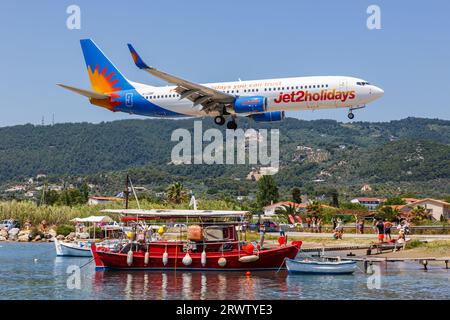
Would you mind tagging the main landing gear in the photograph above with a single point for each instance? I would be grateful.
(232, 125)
(219, 120)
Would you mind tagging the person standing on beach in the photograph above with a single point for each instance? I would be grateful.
(308, 222)
(387, 229)
(313, 224)
(334, 223)
(319, 225)
(380, 229)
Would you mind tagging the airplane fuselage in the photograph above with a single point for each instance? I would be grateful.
(283, 94)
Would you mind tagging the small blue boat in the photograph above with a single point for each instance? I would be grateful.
(320, 267)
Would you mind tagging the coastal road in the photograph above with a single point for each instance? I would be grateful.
(361, 236)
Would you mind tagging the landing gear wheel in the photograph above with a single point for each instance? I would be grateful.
(219, 120)
(232, 125)
(350, 115)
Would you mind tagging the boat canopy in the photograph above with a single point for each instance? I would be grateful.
(176, 213)
(94, 219)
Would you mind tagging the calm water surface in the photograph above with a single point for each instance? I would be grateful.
(24, 277)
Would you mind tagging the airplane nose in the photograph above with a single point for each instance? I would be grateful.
(377, 92)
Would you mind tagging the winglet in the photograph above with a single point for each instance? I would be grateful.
(137, 59)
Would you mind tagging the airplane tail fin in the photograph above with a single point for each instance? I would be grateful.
(104, 76)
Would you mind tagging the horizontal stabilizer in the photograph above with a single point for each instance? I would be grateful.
(86, 93)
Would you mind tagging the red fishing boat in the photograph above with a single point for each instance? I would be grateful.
(204, 240)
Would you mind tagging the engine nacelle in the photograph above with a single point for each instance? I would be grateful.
(250, 104)
(268, 116)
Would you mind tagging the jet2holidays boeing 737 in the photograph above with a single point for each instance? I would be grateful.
(261, 100)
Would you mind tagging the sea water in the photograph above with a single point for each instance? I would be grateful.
(33, 271)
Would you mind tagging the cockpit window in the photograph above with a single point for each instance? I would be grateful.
(362, 83)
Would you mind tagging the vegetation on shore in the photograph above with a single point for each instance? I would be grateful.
(62, 214)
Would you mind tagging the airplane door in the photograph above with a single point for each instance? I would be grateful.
(129, 100)
(342, 88)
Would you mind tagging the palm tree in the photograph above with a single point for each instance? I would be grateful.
(420, 214)
(176, 193)
(287, 210)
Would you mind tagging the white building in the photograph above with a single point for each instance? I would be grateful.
(370, 203)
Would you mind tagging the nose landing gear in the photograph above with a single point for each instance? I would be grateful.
(350, 111)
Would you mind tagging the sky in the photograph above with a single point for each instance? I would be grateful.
(213, 41)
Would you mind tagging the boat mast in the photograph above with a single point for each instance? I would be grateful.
(126, 192)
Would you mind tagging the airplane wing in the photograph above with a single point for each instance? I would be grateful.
(86, 93)
(209, 99)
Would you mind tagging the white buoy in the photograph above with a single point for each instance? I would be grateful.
(165, 258)
(203, 258)
(222, 262)
(187, 260)
(35, 260)
(146, 258)
(251, 258)
(130, 257)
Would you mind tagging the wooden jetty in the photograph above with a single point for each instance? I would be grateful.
(370, 260)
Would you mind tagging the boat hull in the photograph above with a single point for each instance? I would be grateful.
(318, 267)
(72, 249)
(271, 259)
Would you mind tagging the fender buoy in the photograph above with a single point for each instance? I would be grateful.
(222, 262)
(203, 258)
(146, 258)
(187, 260)
(165, 258)
(251, 258)
(248, 248)
(130, 257)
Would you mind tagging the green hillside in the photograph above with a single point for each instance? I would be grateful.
(410, 155)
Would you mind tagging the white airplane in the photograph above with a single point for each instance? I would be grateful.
(261, 100)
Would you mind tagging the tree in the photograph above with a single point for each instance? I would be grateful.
(51, 197)
(314, 208)
(335, 199)
(420, 214)
(388, 213)
(71, 197)
(176, 193)
(84, 189)
(394, 201)
(296, 195)
(267, 191)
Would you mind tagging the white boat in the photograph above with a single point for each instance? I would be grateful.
(320, 267)
(73, 249)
